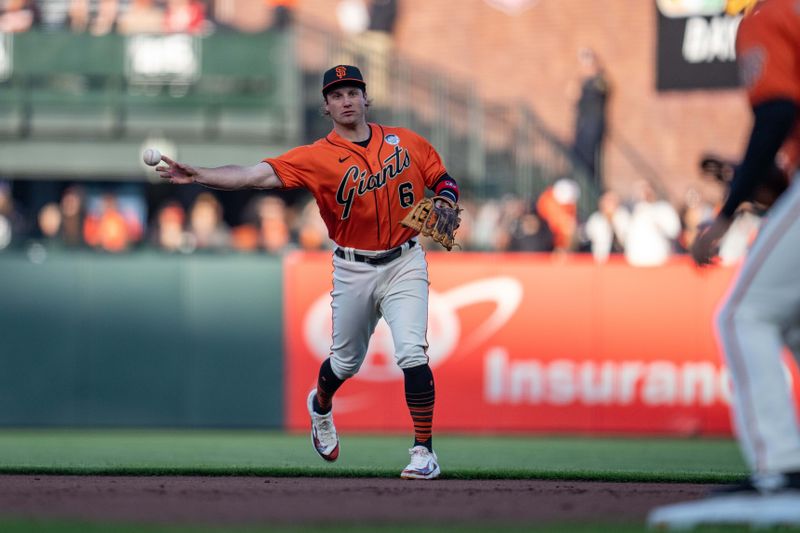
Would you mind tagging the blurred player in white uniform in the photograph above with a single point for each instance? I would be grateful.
(761, 315)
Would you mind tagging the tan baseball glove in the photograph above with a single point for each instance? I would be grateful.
(437, 218)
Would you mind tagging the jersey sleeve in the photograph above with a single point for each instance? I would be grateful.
(294, 167)
(772, 125)
(766, 50)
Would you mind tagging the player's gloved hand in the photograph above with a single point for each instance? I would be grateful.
(706, 246)
(437, 218)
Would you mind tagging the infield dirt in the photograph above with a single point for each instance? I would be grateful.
(257, 500)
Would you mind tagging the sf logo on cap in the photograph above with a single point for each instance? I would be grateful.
(341, 72)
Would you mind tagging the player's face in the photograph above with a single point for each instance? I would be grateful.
(346, 105)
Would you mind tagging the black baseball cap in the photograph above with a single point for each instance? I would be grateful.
(342, 75)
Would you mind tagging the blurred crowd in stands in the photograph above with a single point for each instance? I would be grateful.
(641, 228)
(101, 17)
(118, 218)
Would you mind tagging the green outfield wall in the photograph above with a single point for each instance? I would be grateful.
(141, 340)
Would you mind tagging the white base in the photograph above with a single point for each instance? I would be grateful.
(751, 509)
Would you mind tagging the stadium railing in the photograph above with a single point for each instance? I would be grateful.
(60, 88)
(237, 96)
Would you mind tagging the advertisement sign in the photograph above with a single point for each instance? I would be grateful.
(162, 59)
(526, 342)
(696, 43)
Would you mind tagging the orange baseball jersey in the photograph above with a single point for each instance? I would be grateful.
(364, 193)
(768, 52)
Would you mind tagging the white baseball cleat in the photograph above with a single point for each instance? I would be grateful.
(323, 432)
(750, 509)
(424, 464)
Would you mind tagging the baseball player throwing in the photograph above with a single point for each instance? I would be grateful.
(365, 178)
(761, 315)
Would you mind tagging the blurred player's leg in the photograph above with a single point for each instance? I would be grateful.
(760, 308)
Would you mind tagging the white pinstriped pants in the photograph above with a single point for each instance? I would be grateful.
(760, 317)
(363, 293)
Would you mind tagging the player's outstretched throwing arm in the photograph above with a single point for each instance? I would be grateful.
(228, 177)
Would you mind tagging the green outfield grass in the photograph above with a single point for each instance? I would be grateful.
(278, 454)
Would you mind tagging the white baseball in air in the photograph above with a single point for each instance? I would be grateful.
(152, 157)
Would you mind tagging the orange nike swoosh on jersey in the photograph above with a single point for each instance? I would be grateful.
(343, 159)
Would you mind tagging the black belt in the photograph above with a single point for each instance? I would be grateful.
(382, 259)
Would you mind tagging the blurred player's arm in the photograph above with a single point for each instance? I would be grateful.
(228, 177)
(773, 122)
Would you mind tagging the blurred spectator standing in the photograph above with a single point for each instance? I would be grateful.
(244, 238)
(353, 16)
(49, 220)
(273, 228)
(107, 228)
(73, 213)
(186, 16)
(606, 228)
(383, 16)
(18, 16)
(283, 13)
(530, 233)
(693, 213)
(511, 210)
(368, 27)
(487, 222)
(78, 16)
(653, 228)
(168, 234)
(142, 16)
(590, 114)
(105, 21)
(378, 41)
(312, 234)
(353, 19)
(206, 228)
(558, 207)
(8, 216)
(734, 244)
(81, 18)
